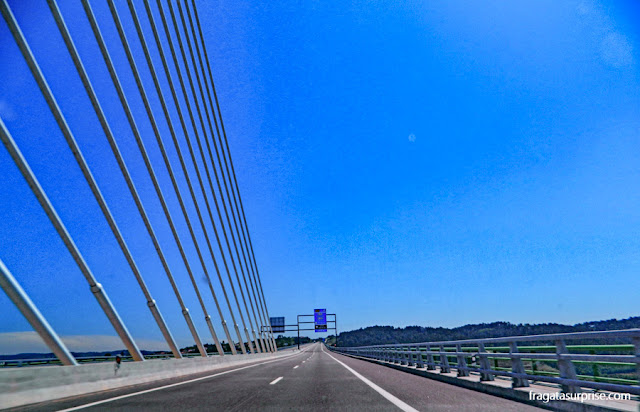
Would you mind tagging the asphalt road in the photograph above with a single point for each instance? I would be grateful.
(312, 380)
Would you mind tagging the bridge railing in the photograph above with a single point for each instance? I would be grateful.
(9, 363)
(608, 360)
(22, 362)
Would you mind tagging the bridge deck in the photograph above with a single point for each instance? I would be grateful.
(310, 380)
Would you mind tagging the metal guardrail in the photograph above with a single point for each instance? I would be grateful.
(520, 359)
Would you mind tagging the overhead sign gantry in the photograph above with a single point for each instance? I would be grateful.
(321, 323)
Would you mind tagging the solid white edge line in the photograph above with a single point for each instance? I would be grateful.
(397, 402)
(88, 405)
(276, 380)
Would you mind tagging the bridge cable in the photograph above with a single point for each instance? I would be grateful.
(168, 163)
(209, 150)
(232, 173)
(224, 155)
(198, 141)
(191, 152)
(25, 305)
(216, 149)
(213, 163)
(151, 303)
(221, 145)
(171, 174)
(127, 109)
(143, 151)
(39, 192)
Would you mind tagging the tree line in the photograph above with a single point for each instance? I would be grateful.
(379, 335)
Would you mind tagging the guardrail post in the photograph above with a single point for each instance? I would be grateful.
(566, 367)
(444, 361)
(431, 364)
(403, 355)
(414, 356)
(462, 362)
(517, 367)
(484, 363)
(636, 346)
(419, 360)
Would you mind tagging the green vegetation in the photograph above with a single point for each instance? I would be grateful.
(378, 335)
(283, 341)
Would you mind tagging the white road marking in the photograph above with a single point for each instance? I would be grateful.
(276, 381)
(397, 402)
(75, 408)
(296, 367)
(303, 361)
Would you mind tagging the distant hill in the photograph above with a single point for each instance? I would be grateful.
(378, 335)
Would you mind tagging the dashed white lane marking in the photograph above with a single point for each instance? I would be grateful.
(296, 367)
(75, 408)
(400, 404)
(303, 361)
(276, 381)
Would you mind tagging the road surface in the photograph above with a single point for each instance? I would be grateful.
(311, 380)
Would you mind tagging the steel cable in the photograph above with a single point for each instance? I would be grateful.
(39, 192)
(180, 156)
(167, 163)
(134, 127)
(232, 173)
(213, 165)
(151, 303)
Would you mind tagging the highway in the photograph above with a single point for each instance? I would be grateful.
(311, 380)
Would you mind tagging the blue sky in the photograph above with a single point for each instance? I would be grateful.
(429, 163)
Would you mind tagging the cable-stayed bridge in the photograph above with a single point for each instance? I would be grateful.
(153, 60)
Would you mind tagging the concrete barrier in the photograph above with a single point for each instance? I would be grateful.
(23, 386)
